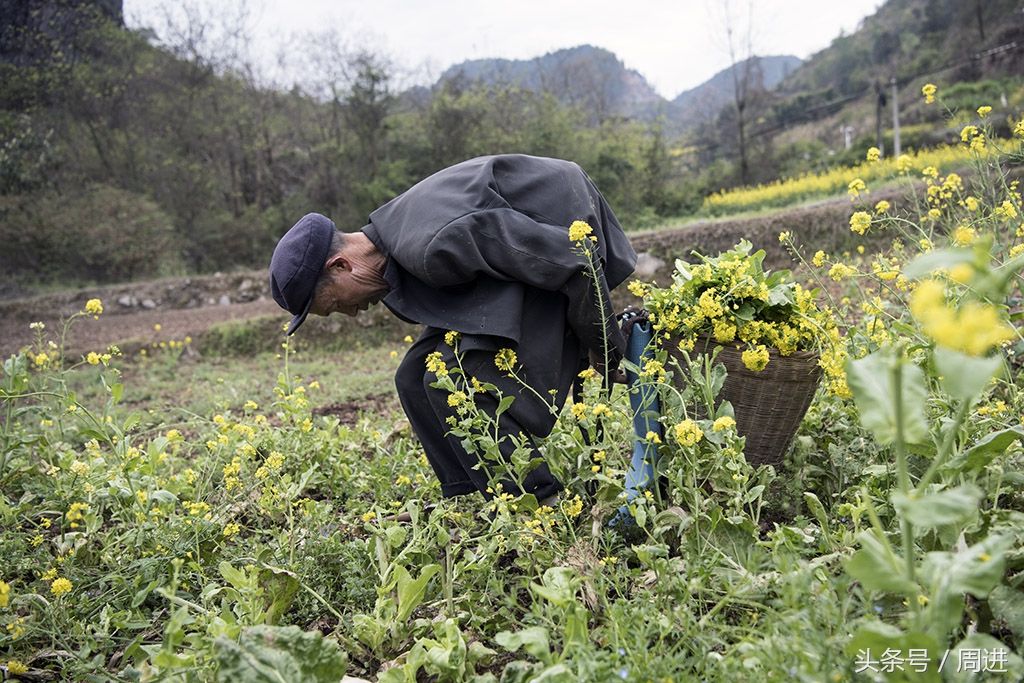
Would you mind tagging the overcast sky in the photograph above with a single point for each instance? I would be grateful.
(675, 44)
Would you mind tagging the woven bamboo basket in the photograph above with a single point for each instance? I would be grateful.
(770, 404)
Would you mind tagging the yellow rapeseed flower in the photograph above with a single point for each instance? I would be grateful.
(756, 359)
(5, 594)
(723, 423)
(860, 222)
(450, 337)
(961, 273)
(408, 339)
(61, 586)
(881, 207)
(1006, 210)
(973, 328)
(15, 667)
(436, 365)
(94, 307)
(93, 358)
(505, 359)
(874, 154)
(819, 259)
(964, 236)
(929, 90)
(637, 288)
(841, 271)
(984, 110)
(971, 203)
(456, 399)
(856, 187)
(968, 132)
(579, 230)
(687, 433)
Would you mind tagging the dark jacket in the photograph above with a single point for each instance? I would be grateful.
(466, 245)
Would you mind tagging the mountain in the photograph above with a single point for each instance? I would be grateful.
(589, 77)
(707, 99)
(597, 81)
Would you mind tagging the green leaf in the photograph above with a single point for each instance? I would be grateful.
(236, 577)
(877, 568)
(558, 587)
(282, 587)
(131, 422)
(952, 506)
(874, 392)
(369, 631)
(163, 496)
(272, 654)
(986, 450)
(411, 591)
(559, 673)
(963, 377)
(744, 312)
(1007, 605)
(117, 391)
(976, 570)
(817, 509)
(534, 640)
(935, 259)
(504, 404)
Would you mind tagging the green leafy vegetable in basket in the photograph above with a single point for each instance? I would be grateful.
(731, 299)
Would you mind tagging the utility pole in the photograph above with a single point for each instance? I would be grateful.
(879, 104)
(895, 119)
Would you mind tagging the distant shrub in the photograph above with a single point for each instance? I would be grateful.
(97, 234)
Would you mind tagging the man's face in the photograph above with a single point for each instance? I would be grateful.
(344, 293)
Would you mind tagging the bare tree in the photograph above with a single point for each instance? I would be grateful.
(744, 71)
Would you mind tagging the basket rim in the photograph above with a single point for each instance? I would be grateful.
(739, 348)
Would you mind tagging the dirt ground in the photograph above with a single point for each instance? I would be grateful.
(138, 326)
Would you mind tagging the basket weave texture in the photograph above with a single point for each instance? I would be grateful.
(768, 405)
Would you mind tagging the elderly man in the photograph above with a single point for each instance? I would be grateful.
(481, 248)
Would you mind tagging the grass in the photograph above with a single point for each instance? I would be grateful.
(178, 390)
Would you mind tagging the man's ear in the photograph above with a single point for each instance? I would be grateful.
(338, 261)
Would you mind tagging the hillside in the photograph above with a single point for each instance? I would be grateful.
(947, 40)
(703, 102)
(596, 81)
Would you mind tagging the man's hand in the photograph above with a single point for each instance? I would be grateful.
(615, 376)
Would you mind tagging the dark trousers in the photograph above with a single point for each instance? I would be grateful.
(551, 361)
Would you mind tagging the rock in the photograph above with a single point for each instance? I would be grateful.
(127, 300)
(246, 285)
(148, 303)
(225, 300)
(647, 265)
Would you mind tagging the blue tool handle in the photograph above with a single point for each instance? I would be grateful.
(646, 409)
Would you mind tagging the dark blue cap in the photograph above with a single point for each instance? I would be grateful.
(296, 264)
